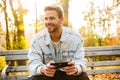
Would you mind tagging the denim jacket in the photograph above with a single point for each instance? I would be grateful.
(42, 51)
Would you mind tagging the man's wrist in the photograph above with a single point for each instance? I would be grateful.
(78, 70)
(42, 69)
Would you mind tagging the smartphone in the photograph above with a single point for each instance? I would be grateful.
(60, 65)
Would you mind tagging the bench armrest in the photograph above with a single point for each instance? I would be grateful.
(4, 71)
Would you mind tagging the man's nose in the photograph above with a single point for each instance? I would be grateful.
(48, 21)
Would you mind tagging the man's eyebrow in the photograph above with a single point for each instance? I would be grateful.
(50, 17)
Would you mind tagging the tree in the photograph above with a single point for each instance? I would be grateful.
(89, 30)
(99, 22)
(19, 38)
(65, 5)
(6, 23)
(36, 22)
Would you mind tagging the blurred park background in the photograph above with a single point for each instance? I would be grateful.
(98, 21)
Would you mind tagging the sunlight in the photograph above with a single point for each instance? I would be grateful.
(76, 9)
(75, 14)
(39, 4)
(31, 15)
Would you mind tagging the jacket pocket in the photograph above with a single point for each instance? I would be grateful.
(48, 57)
(68, 55)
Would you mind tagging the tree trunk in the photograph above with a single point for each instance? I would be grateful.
(18, 14)
(65, 4)
(20, 31)
(36, 21)
(6, 23)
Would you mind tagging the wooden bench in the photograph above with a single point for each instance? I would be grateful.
(19, 72)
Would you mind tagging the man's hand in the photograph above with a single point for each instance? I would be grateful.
(70, 70)
(48, 70)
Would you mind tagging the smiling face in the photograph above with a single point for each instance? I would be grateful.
(52, 21)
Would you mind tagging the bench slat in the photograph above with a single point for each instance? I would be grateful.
(17, 77)
(13, 52)
(17, 68)
(103, 53)
(101, 48)
(103, 71)
(16, 57)
(104, 63)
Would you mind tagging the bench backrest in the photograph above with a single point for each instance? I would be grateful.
(104, 53)
(14, 56)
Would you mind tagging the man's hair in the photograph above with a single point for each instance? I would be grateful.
(55, 7)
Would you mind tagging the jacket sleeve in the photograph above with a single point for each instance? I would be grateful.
(79, 57)
(35, 58)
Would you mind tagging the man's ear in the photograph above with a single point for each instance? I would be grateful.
(62, 19)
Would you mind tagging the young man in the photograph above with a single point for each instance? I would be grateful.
(56, 44)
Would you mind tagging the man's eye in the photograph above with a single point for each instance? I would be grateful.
(52, 18)
(45, 18)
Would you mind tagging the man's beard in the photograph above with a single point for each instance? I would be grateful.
(52, 28)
